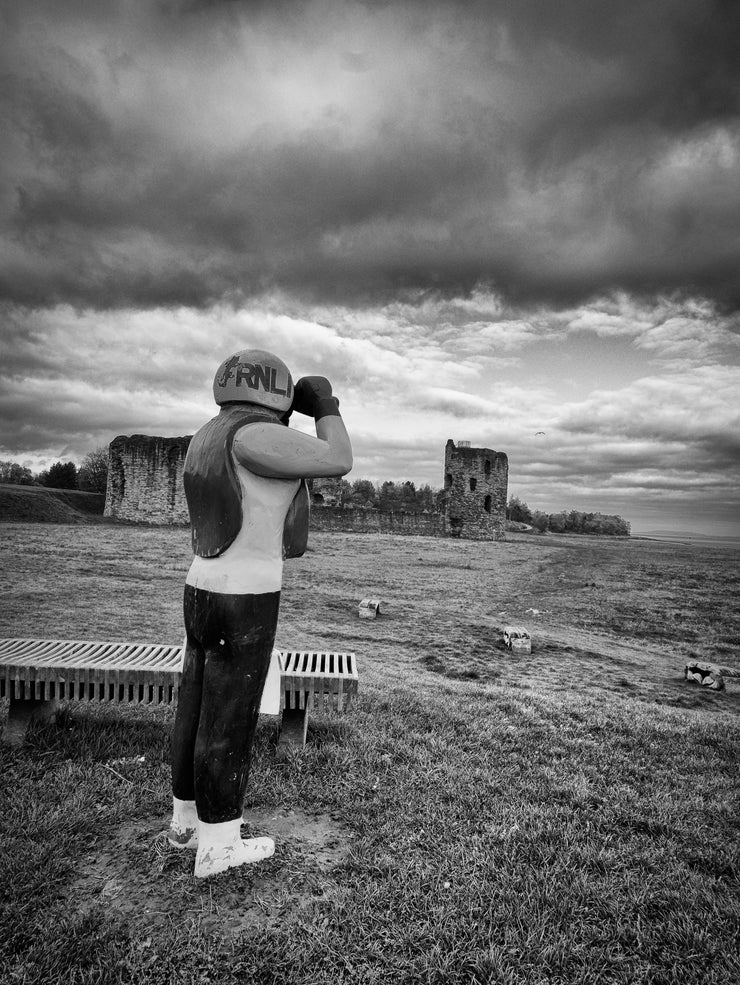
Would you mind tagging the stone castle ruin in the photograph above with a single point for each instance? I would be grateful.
(476, 481)
(145, 479)
(145, 486)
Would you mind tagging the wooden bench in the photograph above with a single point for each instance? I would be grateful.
(35, 675)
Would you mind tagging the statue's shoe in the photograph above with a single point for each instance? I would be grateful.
(214, 858)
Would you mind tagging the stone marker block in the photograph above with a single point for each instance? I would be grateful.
(705, 674)
(369, 609)
(517, 639)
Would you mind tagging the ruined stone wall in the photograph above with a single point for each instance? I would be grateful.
(476, 484)
(145, 486)
(369, 521)
(145, 479)
(326, 492)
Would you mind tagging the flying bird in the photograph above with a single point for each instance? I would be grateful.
(538, 432)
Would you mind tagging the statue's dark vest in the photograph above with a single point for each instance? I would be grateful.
(213, 492)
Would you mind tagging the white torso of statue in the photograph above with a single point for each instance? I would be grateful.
(253, 563)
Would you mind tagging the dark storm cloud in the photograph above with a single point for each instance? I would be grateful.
(180, 152)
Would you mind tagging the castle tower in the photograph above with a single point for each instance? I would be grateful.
(476, 482)
(145, 479)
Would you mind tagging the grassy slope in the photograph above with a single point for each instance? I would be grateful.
(562, 819)
(36, 504)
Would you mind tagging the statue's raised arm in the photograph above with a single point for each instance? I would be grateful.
(289, 454)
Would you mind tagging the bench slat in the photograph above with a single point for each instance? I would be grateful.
(125, 656)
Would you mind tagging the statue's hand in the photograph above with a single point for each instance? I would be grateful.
(313, 397)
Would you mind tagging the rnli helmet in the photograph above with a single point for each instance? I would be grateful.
(254, 376)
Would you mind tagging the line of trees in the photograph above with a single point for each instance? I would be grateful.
(91, 476)
(386, 496)
(573, 521)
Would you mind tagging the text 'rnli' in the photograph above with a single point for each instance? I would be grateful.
(255, 376)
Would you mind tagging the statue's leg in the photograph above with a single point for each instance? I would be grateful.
(183, 832)
(238, 648)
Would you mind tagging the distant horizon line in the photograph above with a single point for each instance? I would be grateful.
(667, 534)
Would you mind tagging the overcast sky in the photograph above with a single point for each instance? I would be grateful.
(512, 223)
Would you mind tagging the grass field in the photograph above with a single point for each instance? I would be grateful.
(568, 817)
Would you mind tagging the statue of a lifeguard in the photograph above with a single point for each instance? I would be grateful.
(248, 505)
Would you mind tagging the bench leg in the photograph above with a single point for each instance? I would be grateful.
(293, 729)
(22, 713)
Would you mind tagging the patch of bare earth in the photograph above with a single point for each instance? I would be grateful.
(146, 882)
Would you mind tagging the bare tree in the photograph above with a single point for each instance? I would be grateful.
(93, 474)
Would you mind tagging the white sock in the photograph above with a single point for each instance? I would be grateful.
(183, 831)
(221, 847)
